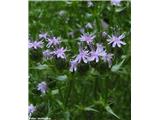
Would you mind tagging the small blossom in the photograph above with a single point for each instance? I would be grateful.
(30, 44)
(53, 41)
(100, 52)
(87, 38)
(47, 54)
(89, 25)
(35, 44)
(43, 35)
(60, 53)
(116, 40)
(31, 109)
(108, 57)
(83, 55)
(116, 2)
(104, 34)
(73, 66)
(42, 87)
(82, 30)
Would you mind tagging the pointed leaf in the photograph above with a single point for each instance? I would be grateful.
(108, 108)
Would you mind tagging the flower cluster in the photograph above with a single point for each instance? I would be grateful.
(53, 46)
(95, 52)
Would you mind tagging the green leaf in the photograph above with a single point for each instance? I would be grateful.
(120, 9)
(67, 115)
(62, 77)
(54, 92)
(41, 67)
(116, 67)
(90, 109)
(108, 108)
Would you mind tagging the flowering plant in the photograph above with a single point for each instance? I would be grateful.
(79, 60)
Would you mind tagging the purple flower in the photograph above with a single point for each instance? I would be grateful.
(100, 52)
(35, 44)
(43, 35)
(47, 54)
(42, 87)
(116, 2)
(60, 53)
(87, 38)
(116, 40)
(83, 55)
(73, 65)
(89, 25)
(31, 109)
(108, 57)
(53, 41)
(30, 44)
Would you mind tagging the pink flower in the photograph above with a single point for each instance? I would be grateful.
(116, 40)
(53, 41)
(87, 38)
(73, 65)
(60, 53)
(83, 55)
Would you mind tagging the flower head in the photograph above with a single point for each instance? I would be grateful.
(53, 41)
(87, 38)
(73, 65)
(60, 53)
(35, 44)
(43, 35)
(116, 40)
(83, 55)
(116, 2)
(89, 25)
(47, 54)
(108, 57)
(99, 52)
(31, 109)
(42, 87)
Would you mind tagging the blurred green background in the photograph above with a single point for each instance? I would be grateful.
(94, 92)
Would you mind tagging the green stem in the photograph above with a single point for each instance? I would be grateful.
(70, 82)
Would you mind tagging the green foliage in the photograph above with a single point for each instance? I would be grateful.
(94, 91)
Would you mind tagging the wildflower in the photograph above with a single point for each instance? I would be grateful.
(31, 109)
(104, 34)
(108, 57)
(47, 54)
(73, 65)
(36, 44)
(82, 30)
(87, 38)
(53, 41)
(83, 55)
(116, 2)
(43, 35)
(100, 52)
(89, 25)
(116, 40)
(42, 87)
(30, 44)
(60, 53)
